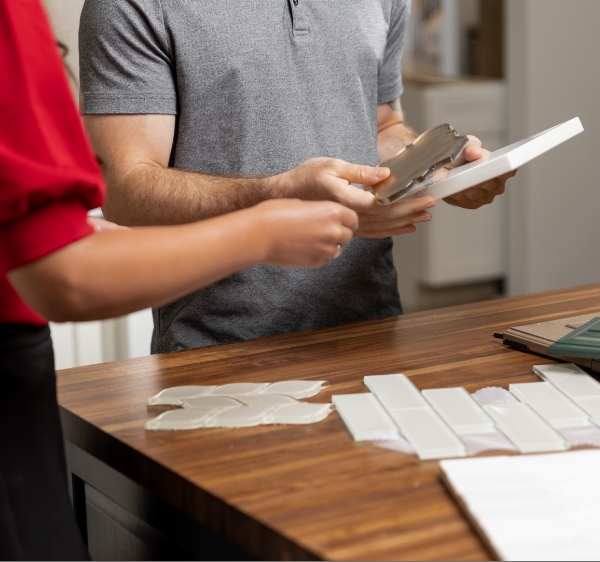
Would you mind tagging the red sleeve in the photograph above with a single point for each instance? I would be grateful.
(49, 177)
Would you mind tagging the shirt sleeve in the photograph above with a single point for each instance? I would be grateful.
(389, 85)
(125, 59)
(48, 175)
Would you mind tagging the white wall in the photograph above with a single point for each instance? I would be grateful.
(64, 16)
(553, 74)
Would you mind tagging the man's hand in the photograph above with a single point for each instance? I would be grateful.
(331, 179)
(484, 193)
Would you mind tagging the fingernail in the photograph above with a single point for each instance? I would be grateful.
(430, 204)
(381, 172)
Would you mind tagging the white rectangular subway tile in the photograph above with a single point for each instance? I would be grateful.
(528, 431)
(550, 403)
(569, 379)
(396, 392)
(365, 417)
(591, 406)
(428, 434)
(459, 410)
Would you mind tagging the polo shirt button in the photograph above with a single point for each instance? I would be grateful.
(295, 2)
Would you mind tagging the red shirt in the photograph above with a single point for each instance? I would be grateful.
(49, 177)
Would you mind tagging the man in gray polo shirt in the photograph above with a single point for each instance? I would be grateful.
(192, 103)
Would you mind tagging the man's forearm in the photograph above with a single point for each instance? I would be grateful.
(153, 195)
(392, 132)
(392, 139)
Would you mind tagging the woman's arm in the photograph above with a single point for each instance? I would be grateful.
(116, 272)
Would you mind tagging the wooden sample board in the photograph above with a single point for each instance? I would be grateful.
(297, 492)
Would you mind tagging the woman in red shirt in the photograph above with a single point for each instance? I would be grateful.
(53, 266)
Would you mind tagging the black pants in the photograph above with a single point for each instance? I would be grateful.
(36, 518)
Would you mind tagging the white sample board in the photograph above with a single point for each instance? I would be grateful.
(497, 163)
(538, 507)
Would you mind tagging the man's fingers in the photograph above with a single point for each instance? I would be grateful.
(398, 210)
(385, 226)
(408, 229)
(355, 173)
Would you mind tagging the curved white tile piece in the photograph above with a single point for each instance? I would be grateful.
(245, 416)
(239, 389)
(174, 396)
(297, 389)
(262, 399)
(301, 413)
(191, 418)
(212, 402)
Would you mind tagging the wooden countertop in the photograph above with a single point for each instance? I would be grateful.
(301, 492)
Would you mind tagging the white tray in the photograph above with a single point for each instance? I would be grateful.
(500, 162)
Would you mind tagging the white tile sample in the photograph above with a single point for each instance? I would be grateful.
(396, 392)
(550, 403)
(301, 413)
(459, 410)
(297, 389)
(428, 434)
(570, 379)
(532, 507)
(245, 416)
(528, 431)
(173, 396)
(211, 402)
(191, 418)
(267, 399)
(365, 417)
(239, 389)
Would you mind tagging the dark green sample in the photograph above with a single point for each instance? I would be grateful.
(583, 342)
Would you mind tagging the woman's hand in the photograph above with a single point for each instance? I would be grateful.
(101, 225)
(303, 233)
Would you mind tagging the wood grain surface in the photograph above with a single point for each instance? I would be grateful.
(302, 492)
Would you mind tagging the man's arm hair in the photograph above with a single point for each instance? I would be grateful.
(143, 190)
(393, 133)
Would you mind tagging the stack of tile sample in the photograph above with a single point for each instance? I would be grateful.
(440, 423)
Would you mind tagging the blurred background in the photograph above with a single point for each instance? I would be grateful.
(502, 70)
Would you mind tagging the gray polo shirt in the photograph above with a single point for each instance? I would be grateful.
(258, 87)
